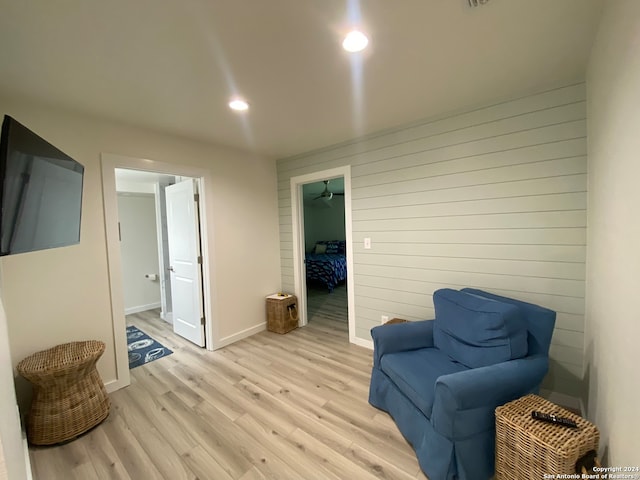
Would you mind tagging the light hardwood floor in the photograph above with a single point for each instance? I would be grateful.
(323, 306)
(271, 406)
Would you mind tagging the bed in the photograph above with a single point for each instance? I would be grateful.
(327, 263)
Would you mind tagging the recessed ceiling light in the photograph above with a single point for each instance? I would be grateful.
(355, 41)
(238, 104)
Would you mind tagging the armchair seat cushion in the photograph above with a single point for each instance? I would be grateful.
(415, 372)
(478, 331)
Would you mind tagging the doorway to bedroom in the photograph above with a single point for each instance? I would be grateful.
(325, 253)
(322, 251)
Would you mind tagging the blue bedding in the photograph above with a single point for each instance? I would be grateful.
(327, 268)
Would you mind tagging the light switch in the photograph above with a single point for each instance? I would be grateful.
(367, 243)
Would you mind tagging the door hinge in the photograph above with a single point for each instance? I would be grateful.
(196, 197)
(200, 259)
(202, 321)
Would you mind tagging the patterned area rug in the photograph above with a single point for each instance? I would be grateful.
(142, 348)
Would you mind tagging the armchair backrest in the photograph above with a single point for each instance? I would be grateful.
(477, 331)
(540, 321)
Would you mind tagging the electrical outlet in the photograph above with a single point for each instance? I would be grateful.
(384, 319)
(367, 243)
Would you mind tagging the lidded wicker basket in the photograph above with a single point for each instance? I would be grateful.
(530, 449)
(282, 313)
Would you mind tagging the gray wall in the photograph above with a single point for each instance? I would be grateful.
(494, 198)
(139, 249)
(323, 221)
(14, 461)
(613, 274)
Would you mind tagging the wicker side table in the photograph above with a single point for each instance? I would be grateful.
(282, 313)
(69, 397)
(393, 321)
(529, 449)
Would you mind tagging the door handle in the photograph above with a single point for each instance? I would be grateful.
(171, 269)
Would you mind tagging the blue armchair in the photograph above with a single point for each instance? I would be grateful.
(441, 380)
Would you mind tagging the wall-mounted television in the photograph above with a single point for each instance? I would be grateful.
(40, 192)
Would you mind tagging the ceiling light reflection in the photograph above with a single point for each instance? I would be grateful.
(355, 41)
(238, 105)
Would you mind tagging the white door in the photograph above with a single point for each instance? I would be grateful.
(184, 261)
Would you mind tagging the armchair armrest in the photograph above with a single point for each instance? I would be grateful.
(478, 392)
(401, 337)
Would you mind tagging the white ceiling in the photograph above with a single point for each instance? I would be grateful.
(171, 65)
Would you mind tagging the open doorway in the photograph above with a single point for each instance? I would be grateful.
(157, 218)
(143, 241)
(302, 245)
(165, 302)
(325, 253)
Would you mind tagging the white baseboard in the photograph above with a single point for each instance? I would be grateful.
(167, 317)
(141, 308)
(114, 385)
(223, 342)
(361, 342)
(25, 446)
(27, 459)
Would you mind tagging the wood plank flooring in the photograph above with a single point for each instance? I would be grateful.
(271, 406)
(322, 305)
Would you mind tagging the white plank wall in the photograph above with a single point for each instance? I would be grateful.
(494, 199)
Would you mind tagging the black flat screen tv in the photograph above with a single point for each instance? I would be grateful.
(40, 192)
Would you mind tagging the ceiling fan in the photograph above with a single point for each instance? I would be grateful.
(326, 194)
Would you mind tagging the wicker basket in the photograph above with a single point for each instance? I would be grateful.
(69, 397)
(282, 313)
(529, 449)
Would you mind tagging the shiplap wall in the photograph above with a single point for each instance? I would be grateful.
(494, 198)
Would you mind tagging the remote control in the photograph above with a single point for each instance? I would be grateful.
(551, 418)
